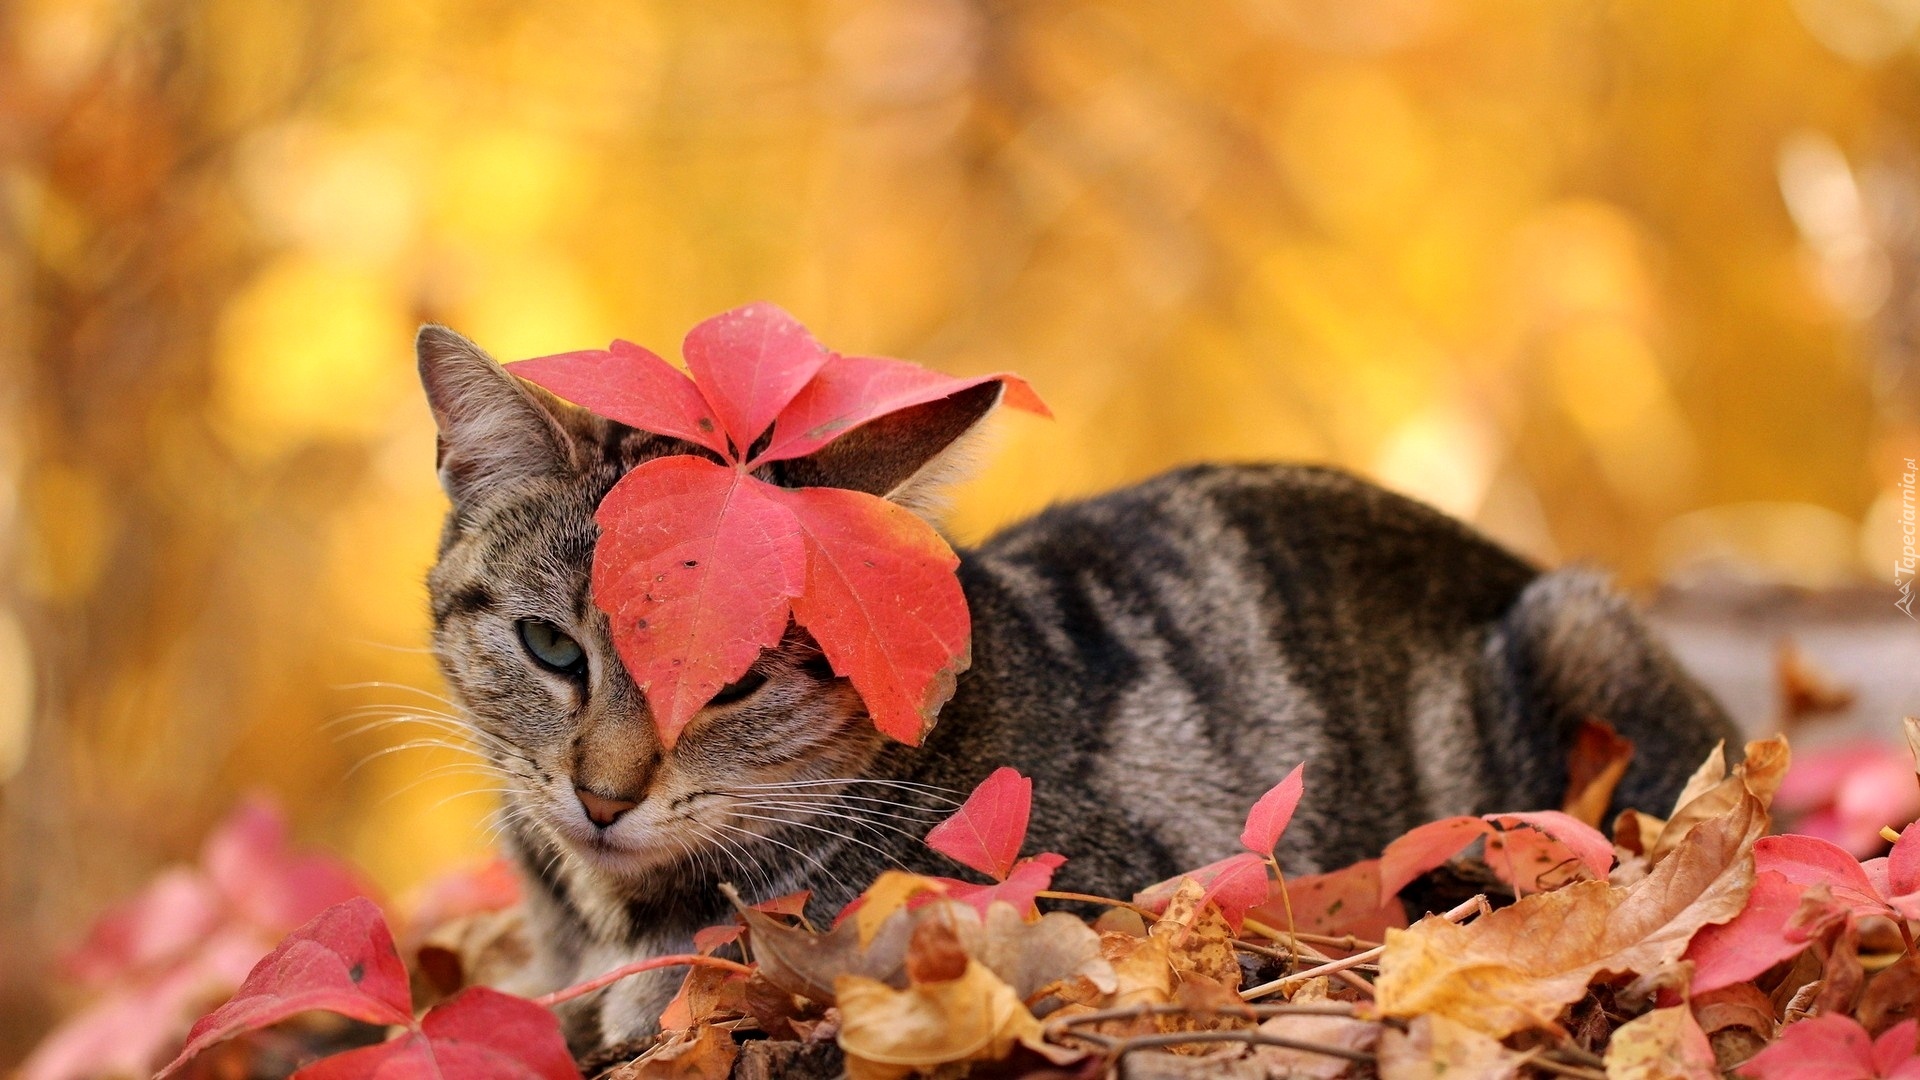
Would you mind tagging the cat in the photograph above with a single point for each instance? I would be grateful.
(1154, 659)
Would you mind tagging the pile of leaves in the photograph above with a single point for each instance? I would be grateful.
(1690, 945)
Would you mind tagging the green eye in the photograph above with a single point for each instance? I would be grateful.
(552, 648)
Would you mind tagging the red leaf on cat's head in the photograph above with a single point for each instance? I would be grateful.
(1271, 814)
(630, 384)
(343, 961)
(883, 603)
(851, 390)
(696, 568)
(699, 565)
(750, 363)
(479, 1034)
(988, 829)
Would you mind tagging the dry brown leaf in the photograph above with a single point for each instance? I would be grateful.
(887, 895)
(1805, 690)
(1760, 774)
(1436, 1048)
(1519, 966)
(1738, 1020)
(1596, 763)
(887, 1034)
(1197, 938)
(1891, 996)
(802, 962)
(1665, 1044)
(701, 1053)
(1052, 953)
(489, 948)
(1341, 1031)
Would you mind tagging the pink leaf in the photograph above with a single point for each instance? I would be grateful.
(1345, 901)
(883, 603)
(1831, 1047)
(1756, 939)
(695, 568)
(851, 390)
(749, 363)
(1270, 815)
(988, 829)
(1027, 879)
(1425, 847)
(1537, 850)
(165, 921)
(249, 859)
(1903, 863)
(479, 1034)
(632, 385)
(1234, 884)
(343, 961)
(1806, 861)
(1895, 1051)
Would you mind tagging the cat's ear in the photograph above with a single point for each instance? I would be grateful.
(905, 456)
(494, 429)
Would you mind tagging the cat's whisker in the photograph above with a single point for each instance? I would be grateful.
(877, 850)
(817, 864)
(863, 817)
(736, 854)
(382, 685)
(826, 797)
(941, 793)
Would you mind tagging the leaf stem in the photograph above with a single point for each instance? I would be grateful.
(1088, 898)
(1477, 905)
(635, 968)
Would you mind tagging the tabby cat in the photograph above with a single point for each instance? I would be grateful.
(1154, 658)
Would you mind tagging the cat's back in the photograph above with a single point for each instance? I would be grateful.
(1172, 648)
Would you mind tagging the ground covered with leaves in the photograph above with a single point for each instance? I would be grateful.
(1692, 945)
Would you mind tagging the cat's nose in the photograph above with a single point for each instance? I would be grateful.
(601, 810)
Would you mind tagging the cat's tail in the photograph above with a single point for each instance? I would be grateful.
(1572, 647)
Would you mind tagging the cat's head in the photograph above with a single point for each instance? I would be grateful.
(529, 656)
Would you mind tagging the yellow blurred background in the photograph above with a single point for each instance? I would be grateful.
(1627, 281)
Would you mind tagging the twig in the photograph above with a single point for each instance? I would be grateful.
(1250, 1012)
(1088, 898)
(1118, 1047)
(635, 968)
(1348, 942)
(1539, 1059)
(1477, 905)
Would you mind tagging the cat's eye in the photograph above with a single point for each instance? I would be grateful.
(553, 649)
(739, 689)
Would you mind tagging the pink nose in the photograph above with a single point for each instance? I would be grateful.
(600, 810)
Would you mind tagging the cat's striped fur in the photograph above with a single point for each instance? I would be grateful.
(1154, 659)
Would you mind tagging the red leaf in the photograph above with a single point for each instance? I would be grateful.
(794, 904)
(695, 568)
(1027, 879)
(1532, 846)
(343, 961)
(1805, 861)
(480, 1034)
(166, 920)
(632, 385)
(1903, 863)
(1235, 883)
(1424, 847)
(988, 829)
(882, 600)
(1270, 815)
(1521, 848)
(249, 859)
(1756, 939)
(1344, 901)
(749, 363)
(1831, 1047)
(851, 390)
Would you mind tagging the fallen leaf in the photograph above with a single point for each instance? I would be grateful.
(1836, 1048)
(1805, 690)
(1436, 1048)
(887, 1033)
(480, 1034)
(1738, 1021)
(1235, 884)
(1892, 995)
(1517, 967)
(343, 961)
(1272, 812)
(1755, 940)
(1344, 901)
(1198, 938)
(1344, 1032)
(1033, 957)
(1596, 763)
(1665, 1044)
(1760, 775)
(1029, 878)
(701, 1053)
(1521, 849)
